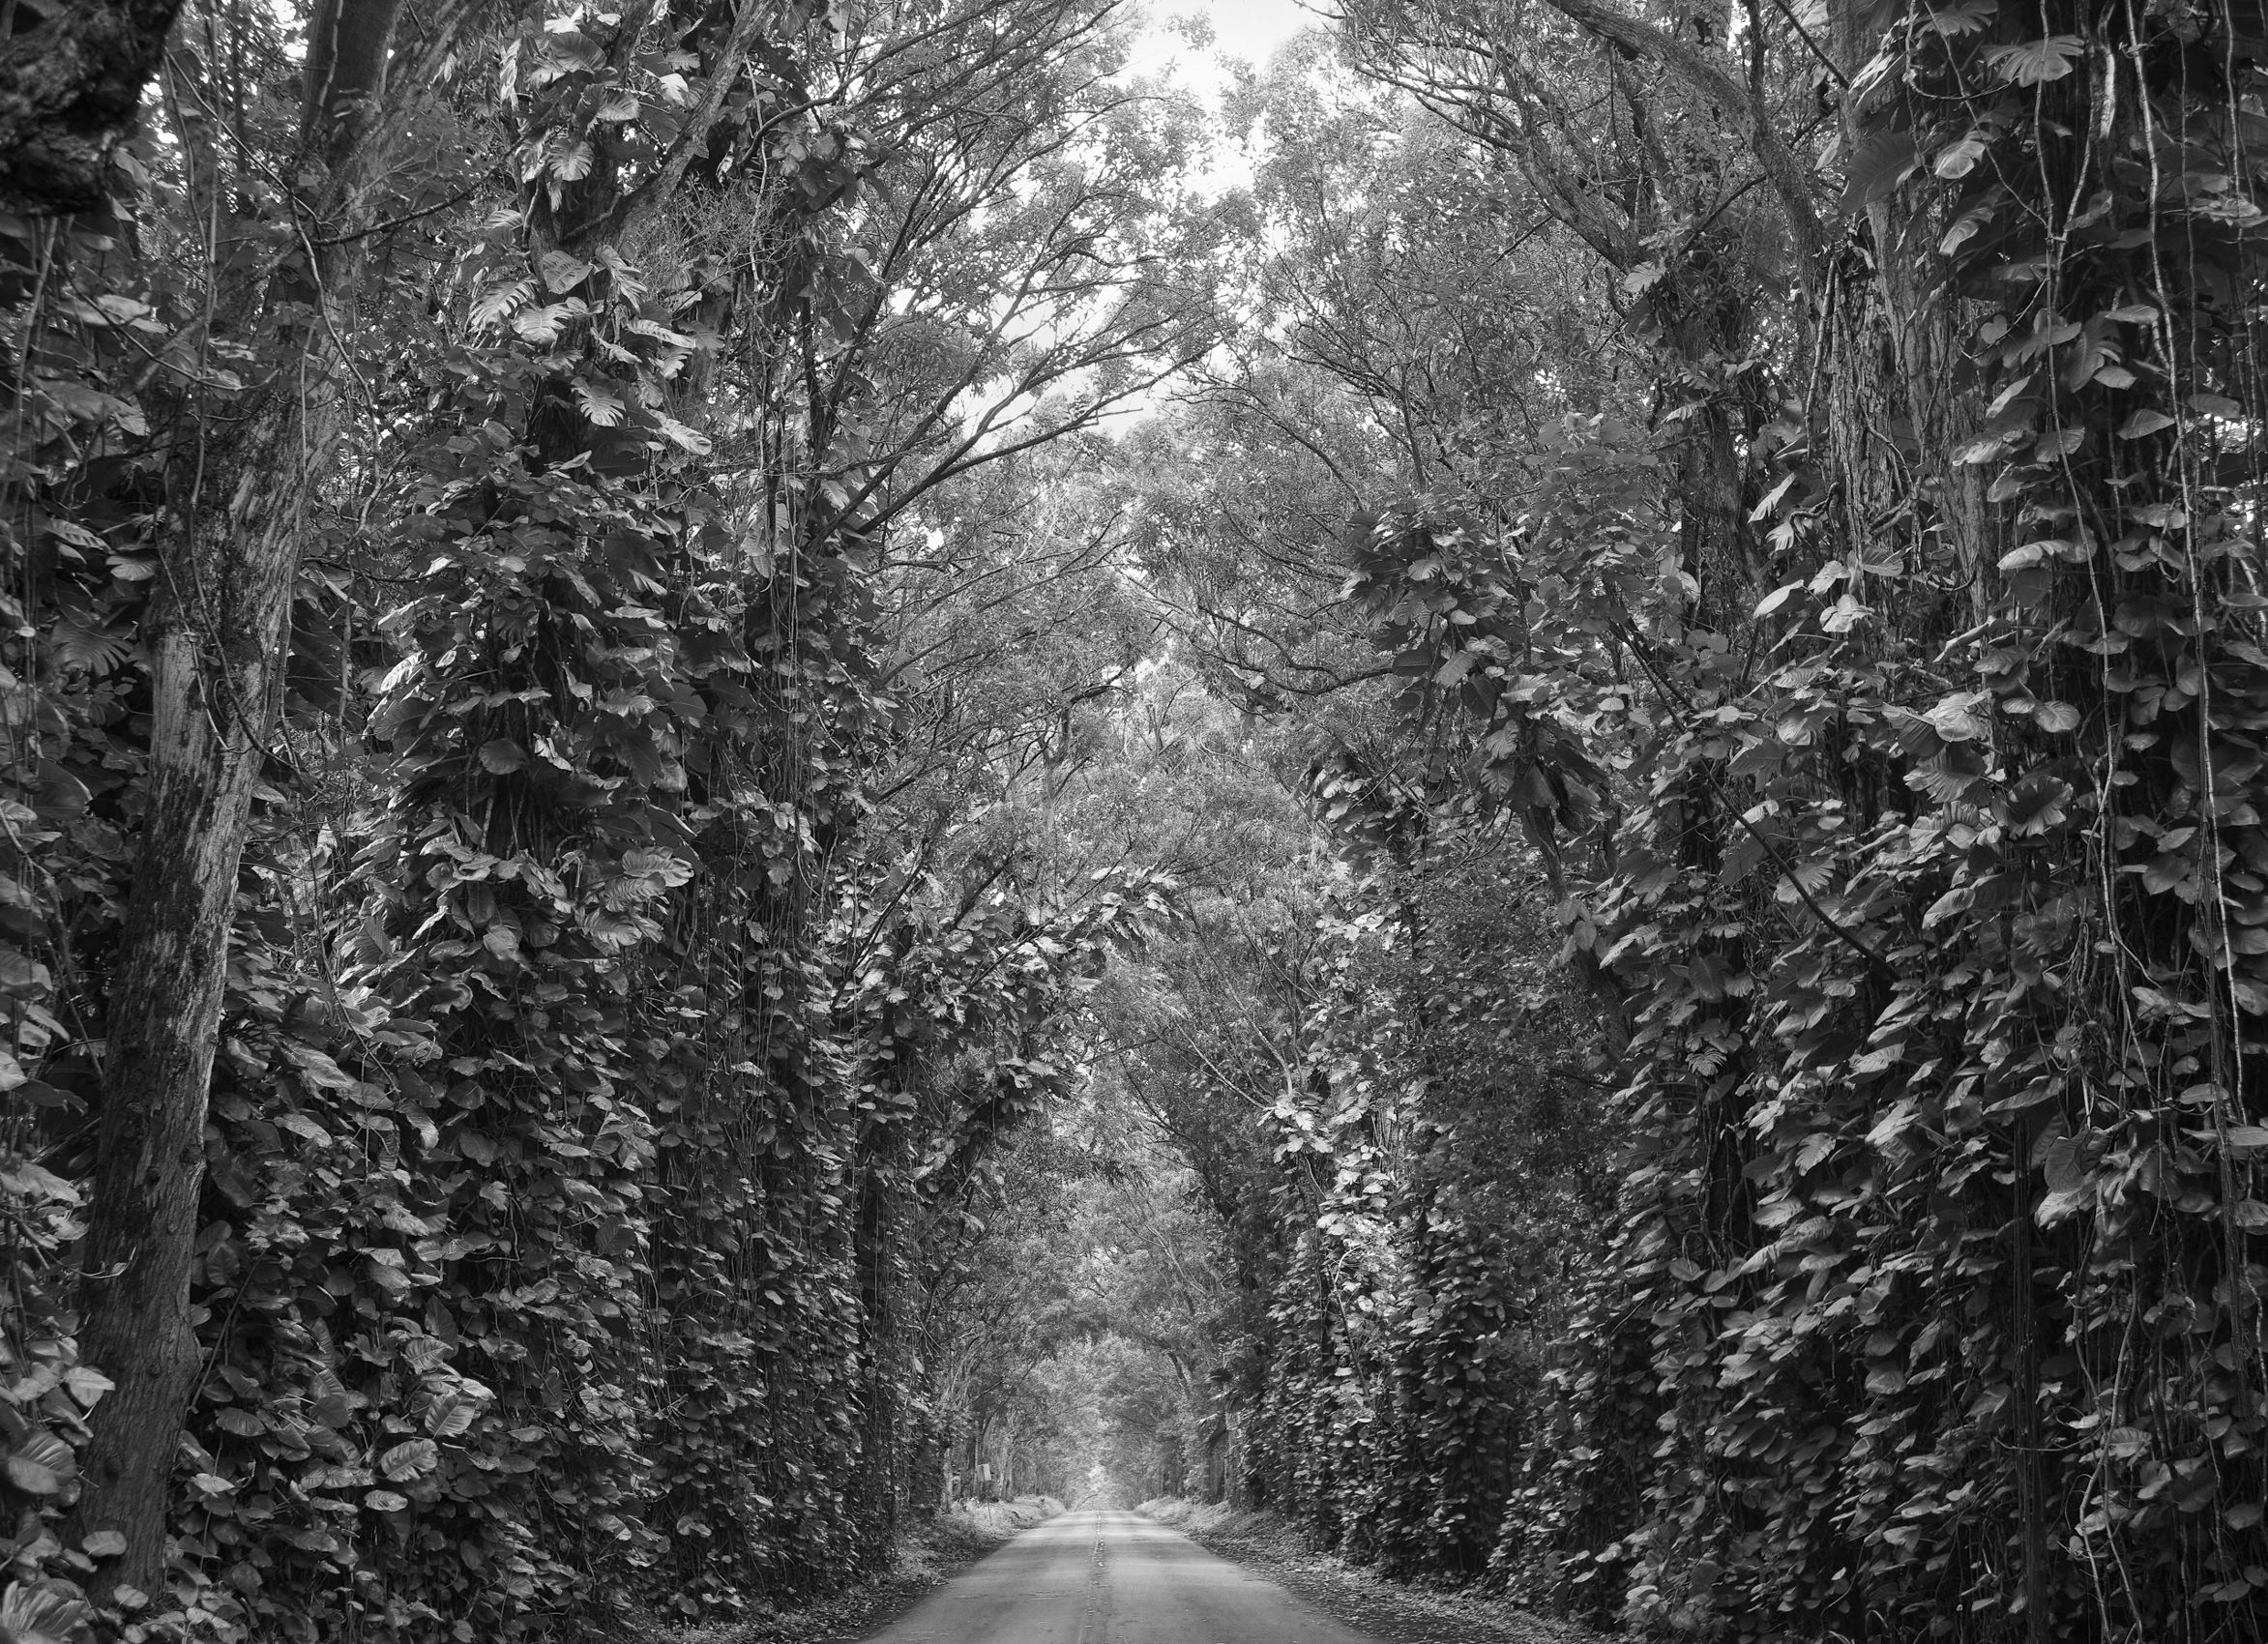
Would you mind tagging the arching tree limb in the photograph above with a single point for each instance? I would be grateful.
(1713, 80)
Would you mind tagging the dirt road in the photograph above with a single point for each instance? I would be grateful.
(1111, 1578)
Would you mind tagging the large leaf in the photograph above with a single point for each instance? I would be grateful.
(690, 439)
(97, 650)
(499, 302)
(602, 407)
(2033, 62)
(40, 1464)
(35, 1614)
(562, 271)
(409, 1460)
(573, 162)
(1882, 161)
(1961, 717)
(450, 1417)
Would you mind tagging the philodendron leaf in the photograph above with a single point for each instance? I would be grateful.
(562, 271)
(2033, 62)
(409, 1460)
(40, 1464)
(34, 1614)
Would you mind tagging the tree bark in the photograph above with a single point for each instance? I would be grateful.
(69, 85)
(347, 42)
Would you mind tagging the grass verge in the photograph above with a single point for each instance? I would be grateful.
(924, 1555)
(1360, 1597)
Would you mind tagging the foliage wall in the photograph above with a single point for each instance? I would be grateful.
(1852, 647)
(604, 1074)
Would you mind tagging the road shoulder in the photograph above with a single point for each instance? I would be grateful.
(926, 1556)
(1359, 1599)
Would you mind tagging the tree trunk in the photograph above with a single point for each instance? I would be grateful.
(1892, 357)
(217, 641)
(348, 41)
(207, 732)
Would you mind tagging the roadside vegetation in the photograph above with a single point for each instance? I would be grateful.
(1421, 1612)
(925, 1554)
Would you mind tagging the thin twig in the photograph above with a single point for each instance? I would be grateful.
(458, 198)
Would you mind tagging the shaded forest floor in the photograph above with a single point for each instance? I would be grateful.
(1363, 1600)
(925, 1555)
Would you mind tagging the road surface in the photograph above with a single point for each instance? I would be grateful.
(1111, 1578)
